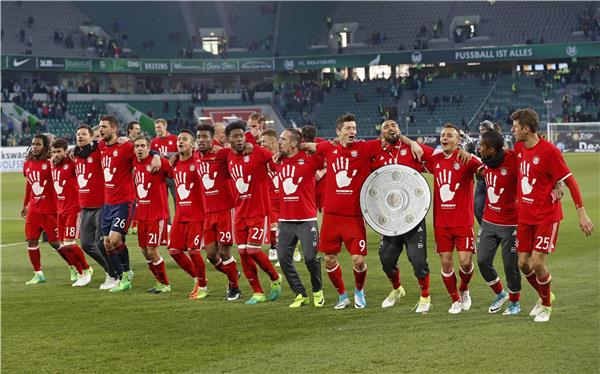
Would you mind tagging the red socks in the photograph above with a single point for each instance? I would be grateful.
(159, 271)
(544, 289)
(450, 283)
(395, 278)
(514, 296)
(35, 258)
(184, 262)
(250, 271)
(424, 284)
(79, 256)
(199, 267)
(262, 260)
(335, 275)
(496, 286)
(533, 281)
(229, 268)
(465, 278)
(360, 277)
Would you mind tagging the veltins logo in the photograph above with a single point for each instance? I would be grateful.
(571, 50)
(288, 64)
(416, 57)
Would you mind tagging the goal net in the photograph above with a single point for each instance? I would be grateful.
(575, 136)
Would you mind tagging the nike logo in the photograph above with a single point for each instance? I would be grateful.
(19, 63)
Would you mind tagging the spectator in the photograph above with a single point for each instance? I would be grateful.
(339, 43)
(22, 36)
(329, 22)
(30, 21)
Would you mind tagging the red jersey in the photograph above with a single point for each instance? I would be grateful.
(501, 183)
(401, 154)
(540, 167)
(65, 185)
(117, 163)
(274, 182)
(347, 169)
(165, 144)
(90, 180)
(40, 196)
(152, 203)
(453, 189)
(249, 174)
(298, 189)
(216, 183)
(189, 207)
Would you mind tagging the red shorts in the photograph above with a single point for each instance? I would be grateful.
(35, 223)
(448, 238)
(539, 238)
(151, 233)
(336, 230)
(218, 227)
(251, 230)
(68, 226)
(186, 235)
(274, 214)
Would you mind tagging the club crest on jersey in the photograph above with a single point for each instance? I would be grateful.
(90, 160)
(65, 166)
(44, 166)
(354, 153)
(301, 161)
(115, 153)
(192, 167)
(456, 166)
(536, 160)
(170, 142)
(246, 158)
(403, 152)
(503, 171)
(148, 168)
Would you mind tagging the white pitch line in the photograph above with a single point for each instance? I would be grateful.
(12, 244)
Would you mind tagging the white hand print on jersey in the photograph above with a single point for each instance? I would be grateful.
(274, 178)
(82, 181)
(58, 187)
(444, 180)
(287, 176)
(162, 150)
(490, 181)
(180, 181)
(342, 174)
(108, 175)
(34, 180)
(204, 172)
(526, 187)
(139, 183)
(237, 173)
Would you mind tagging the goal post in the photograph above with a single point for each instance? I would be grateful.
(575, 136)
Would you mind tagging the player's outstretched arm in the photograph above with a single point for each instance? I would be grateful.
(416, 150)
(310, 147)
(585, 223)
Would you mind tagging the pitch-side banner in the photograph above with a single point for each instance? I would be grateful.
(534, 52)
(12, 158)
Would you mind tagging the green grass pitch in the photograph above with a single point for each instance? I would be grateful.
(56, 328)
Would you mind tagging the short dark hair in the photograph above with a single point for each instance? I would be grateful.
(269, 132)
(527, 117)
(186, 131)
(141, 137)
(309, 133)
(450, 125)
(87, 127)
(130, 125)
(493, 139)
(60, 143)
(114, 122)
(295, 135)
(209, 128)
(346, 117)
(235, 125)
